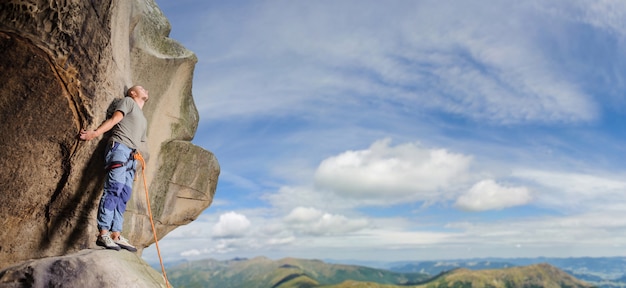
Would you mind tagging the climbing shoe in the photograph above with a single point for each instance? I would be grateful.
(106, 242)
(123, 242)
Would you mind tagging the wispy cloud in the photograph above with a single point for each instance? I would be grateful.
(575, 191)
(297, 54)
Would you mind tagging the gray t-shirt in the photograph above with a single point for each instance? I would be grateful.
(131, 131)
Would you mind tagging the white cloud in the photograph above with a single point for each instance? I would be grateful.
(302, 220)
(572, 191)
(192, 252)
(393, 174)
(231, 224)
(315, 222)
(290, 197)
(303, 215)
(280, 241)
(593, 229)
(489, 195)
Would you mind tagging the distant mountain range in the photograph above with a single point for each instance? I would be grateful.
(291, 272)
(603, 272)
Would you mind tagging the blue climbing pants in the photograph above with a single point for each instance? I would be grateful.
(118, 186)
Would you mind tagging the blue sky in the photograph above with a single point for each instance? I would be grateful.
(407, 130)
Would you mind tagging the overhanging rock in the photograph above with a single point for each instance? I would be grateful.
(63, 64)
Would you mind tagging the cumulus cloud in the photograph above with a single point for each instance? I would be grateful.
(489, 195)
(312, 221)
(230, 225)
(393, 173)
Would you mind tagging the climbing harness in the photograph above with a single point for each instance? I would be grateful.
(117, 164)
(137, 156)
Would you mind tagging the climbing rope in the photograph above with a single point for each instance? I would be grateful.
(145, 185)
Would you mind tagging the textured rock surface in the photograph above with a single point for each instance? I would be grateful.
(86, 268)
(64, 63)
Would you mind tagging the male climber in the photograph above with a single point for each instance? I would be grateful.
(128, 128)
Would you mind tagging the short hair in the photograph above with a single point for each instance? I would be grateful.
(130, 89)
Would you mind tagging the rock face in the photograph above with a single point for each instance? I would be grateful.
(63, 64)
(83, 269)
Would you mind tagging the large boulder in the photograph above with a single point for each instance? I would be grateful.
(86, 268)
(63, 64)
